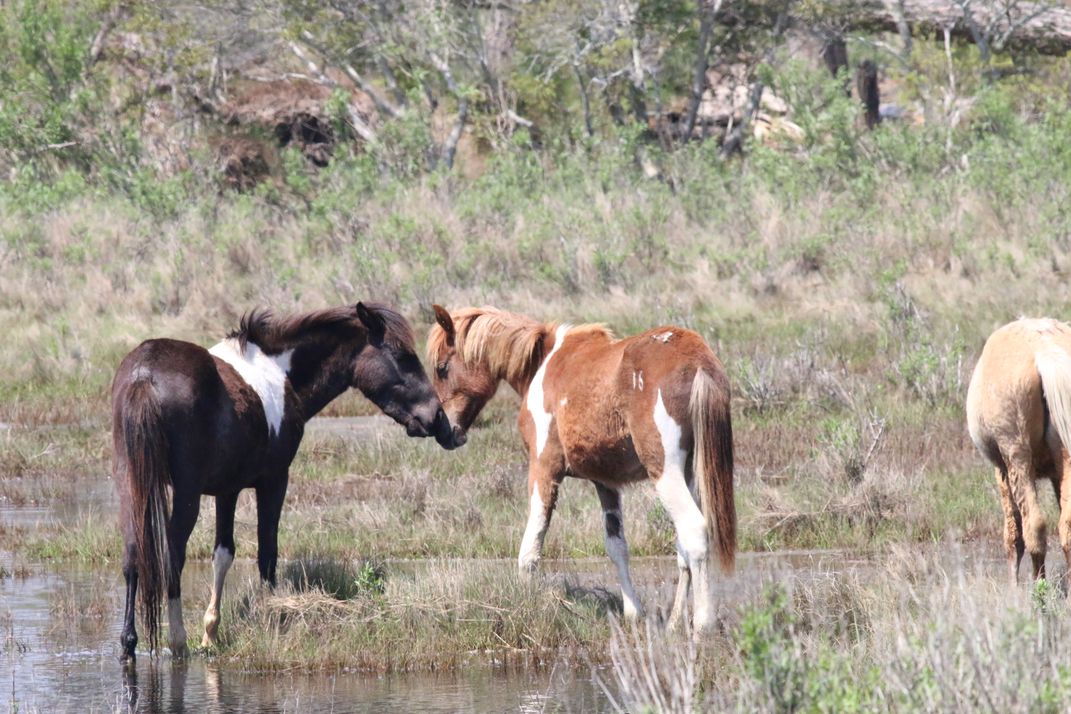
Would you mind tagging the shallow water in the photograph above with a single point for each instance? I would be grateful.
(58, 670)
(49, 665)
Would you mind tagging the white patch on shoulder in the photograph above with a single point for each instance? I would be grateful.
(266, 374)
(563, 402)
(662, 337)
(535, 400)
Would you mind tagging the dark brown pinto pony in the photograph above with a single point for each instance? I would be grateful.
(614, 412)
(217, 421)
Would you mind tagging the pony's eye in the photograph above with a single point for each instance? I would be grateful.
(442, 369)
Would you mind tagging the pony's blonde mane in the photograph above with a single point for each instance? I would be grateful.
(508, 345)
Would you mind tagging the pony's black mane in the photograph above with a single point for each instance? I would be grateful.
(276, 334)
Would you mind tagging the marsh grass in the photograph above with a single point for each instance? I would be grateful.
(846, 285)
(654, 670)
(385, 496)
(933, 631)
(439, 616)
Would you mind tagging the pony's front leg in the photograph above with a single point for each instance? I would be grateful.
(617, 549)
(269, 507)
(222, 557)
(543, 485)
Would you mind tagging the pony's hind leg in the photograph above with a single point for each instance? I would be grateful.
(1014, 547)
(184, 512)
(658, 444)
(692, 536)
(129, 638)
(1062, 481)
(1024, 496)
(222, 557)
(684, 583)
(617, 549)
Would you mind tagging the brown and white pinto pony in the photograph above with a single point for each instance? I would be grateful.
(614, 412)
(216, 421)
(1019, 418)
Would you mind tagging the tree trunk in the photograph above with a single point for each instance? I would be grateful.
(866, 84)
(699, 75)
(835, 55)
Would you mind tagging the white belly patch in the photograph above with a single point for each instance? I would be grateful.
(266, 374)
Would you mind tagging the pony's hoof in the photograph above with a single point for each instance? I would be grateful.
(129, 643)
(632, 612)
(527, 570)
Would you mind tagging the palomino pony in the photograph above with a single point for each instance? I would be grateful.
(614, 412)
(217, 421)
(1019, 417)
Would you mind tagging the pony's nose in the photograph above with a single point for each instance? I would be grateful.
(459, 436)
(415, 428)
(448, 435)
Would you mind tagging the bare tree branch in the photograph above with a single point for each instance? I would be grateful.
(360, 126)
(450, 146)
(358, 81)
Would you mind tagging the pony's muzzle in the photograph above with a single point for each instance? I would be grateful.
(413, 427)
(446, 435)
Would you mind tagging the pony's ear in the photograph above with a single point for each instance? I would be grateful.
(371, 320)
(442, 316)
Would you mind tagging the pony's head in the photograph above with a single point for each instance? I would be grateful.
(474, 349)
(388, 372)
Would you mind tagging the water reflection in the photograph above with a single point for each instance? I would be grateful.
(174, 687)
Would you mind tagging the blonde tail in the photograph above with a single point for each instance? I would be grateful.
(712, 459)
(1054, 368)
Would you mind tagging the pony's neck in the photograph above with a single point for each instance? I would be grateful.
(521, 379)
(322, 370)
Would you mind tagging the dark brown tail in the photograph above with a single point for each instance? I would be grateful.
(712, 426)
(141, 444)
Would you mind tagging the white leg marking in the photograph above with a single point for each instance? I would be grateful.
(617, 549)
(535, 399)
(221, 563)
(532, 543)
(672, 489)
(176, 629)
(265, 373)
